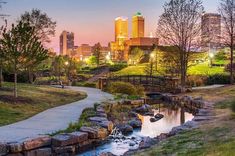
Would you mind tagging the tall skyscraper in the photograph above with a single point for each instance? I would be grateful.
(121, 29)
(66, 42)
(137, 25)
(211, 31)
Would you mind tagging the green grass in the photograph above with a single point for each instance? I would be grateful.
(200, 69)
(32, 100)
(213, 141)
(204, 69)
(132, 70)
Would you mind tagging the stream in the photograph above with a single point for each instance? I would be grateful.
(118, 146)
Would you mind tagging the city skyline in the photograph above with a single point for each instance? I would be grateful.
(88, 19)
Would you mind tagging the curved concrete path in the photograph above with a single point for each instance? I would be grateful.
(53, 119)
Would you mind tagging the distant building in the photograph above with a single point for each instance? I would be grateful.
(66, 43)
(137, 25)
(211, 31)
(120, 49)
(121, 29)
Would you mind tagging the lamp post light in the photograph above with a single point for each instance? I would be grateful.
(211, 56)
(67, 67)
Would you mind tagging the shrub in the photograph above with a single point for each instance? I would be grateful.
(218, 79)
(122, 88)
(140, 90)
(233, 106)
(117, 67)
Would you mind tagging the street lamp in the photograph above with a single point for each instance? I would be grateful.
(211, 56)
(66, 64)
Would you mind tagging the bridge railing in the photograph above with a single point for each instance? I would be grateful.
(150, 83)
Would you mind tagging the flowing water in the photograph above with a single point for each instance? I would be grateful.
(118, 146)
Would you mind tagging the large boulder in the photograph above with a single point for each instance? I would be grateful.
(15, 147)
(33, 143)
(80, 136)
(125, 128)
(107, 124)
(69, 150)
(159, 116)
(39, 152)
(64, 140)
(92, 132)
(135, 123)
(95, 133)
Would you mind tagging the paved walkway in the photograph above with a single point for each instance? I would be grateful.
(53, 119)
(208, 87)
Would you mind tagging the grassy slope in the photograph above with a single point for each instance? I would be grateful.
(34, 99)
(213, 138)
(200, 69)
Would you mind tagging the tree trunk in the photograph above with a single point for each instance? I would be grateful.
(15, 85)
(231, 64)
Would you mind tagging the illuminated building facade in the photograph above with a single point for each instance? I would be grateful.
(66, 42)
(122, 46)
(211, 31)
(137, 25)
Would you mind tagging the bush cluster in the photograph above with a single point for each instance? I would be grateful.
(117, 67)
(125, 88)
(84, 84)
(218, 79)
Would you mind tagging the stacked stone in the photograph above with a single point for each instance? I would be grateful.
(62, 144)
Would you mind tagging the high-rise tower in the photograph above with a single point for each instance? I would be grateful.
(137, 25)
(211, 31)
(121, 29)
(66, 42)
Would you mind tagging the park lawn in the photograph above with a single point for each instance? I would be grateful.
(199, 69)
(32, 100)
(204, 69)
(138, 69)
(214, 138)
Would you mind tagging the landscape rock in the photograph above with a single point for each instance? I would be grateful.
(133, 114)
(92, 132)
(97, 119)
(66, 149)
(15, 154)
(64, 140)
(125, 128)
(143, 109)
(159, 116)
(15, 147)
(39, 152)
(33, 143)
(104, 115)
(147, 142)
(107, 124)
(162, 136)
(107, 154)
(135, 123)
(150, 113)
(154, 119)
(3, 149)
(80, 136)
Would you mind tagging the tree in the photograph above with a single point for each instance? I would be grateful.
(179, 26)
(44, 26)
(97, 53)
(20, 43)
(92, 60)
(136, 55)
(227, 11)
(149, 68)
(2, 54)
(58, 66)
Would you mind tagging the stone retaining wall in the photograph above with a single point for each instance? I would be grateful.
(65, 144)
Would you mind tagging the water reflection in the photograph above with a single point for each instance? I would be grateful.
(172, 117)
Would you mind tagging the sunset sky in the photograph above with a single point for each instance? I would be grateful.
(92, 21)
